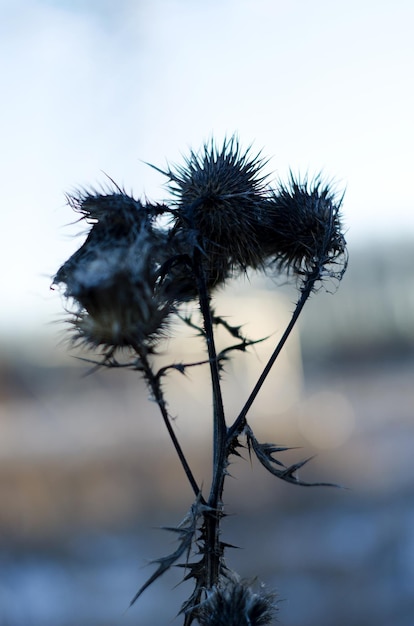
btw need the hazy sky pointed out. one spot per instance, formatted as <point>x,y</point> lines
<point>98,85</point>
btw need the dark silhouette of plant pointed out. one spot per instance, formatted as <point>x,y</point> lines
<point>133,275</point>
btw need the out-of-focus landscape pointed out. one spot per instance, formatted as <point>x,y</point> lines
<point>88,475</point>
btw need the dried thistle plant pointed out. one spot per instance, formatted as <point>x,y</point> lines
<point>130,279</point>
<point>304,230</point>
<point>219,203</point>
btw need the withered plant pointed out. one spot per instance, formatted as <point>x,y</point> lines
<point>140,267</point>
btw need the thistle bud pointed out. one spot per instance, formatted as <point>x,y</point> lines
<point>114,277</point>
<point>303,229</point>
<point>220,196</point>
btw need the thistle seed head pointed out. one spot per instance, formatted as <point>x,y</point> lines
<point>120,301</point>
<point>303,231</point>
<point>220,194</point>
<point>116,219</point>
<point>236,604</point>
<point>114,277</point>
<point>114,208</point>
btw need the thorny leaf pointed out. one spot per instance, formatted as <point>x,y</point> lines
<point>268,450</point>
<point>199,572</point>
<point>188,319</point>
<point>242,347</point>
<point>233,446</point>
<point>223,354</point>
<point>264,451</point>
<point>186,531</point>
<point>109,361</point>
<point>233,330</point>
<point>165,563</point>
<point>179,367</point>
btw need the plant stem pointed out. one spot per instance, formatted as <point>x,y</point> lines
<point>213,549</point>
<point>238,425</point>
<point>155,386</point>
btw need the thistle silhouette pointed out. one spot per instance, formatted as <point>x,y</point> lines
<point>133,275</point>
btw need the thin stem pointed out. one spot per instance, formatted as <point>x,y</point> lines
<point>219,427</point>
<point>154,384</point>
<point>238,425</point>
<point>213,548</point>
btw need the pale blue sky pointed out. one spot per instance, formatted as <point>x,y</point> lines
<point>92,86</point>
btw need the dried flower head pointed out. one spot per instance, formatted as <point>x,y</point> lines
<point>114,278</point>
<point>236,604</point>
<point>219,194</point>
<point>116,219</point>
<point>114,207</point>
<point>121,301</point>
<point>303,231</point>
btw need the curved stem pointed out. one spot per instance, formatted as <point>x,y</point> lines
<point>154,384</point>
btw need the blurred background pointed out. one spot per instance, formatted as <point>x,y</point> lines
<point>87,473</point>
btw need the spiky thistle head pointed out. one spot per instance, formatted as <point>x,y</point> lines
<point>115,218</point>
<point>303,232</point>
<point>219,193</point>
<point>113,206</point>
<point>114,278</point>
<point>235,603</point>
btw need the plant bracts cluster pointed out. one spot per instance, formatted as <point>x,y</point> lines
<point>131,273</point>
<point>134,274</point>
